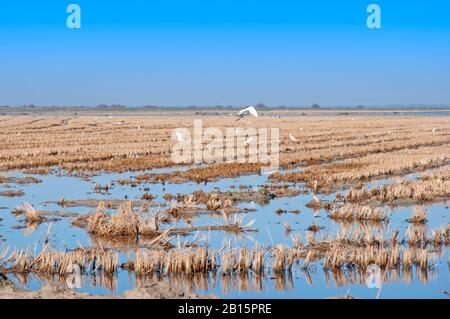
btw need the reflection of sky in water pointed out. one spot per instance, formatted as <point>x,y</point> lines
<point>270,231</point>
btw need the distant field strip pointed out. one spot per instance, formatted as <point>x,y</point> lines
<point>332,148</point>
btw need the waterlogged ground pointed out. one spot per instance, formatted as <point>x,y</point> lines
<point>311,283</point>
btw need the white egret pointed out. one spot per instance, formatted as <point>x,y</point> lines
<point>249,140</point>
<point>247,111</point>
<point>179,136</point>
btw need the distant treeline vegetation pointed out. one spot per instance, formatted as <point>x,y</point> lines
<point>259,106</point>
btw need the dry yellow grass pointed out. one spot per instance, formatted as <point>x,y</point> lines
<point>54,262</point>
<point>419,215</point>
<point>431,187</point>
<point>356,250</point>
<point>125,223</point>
<point>352,212</point>
<point>124,143</point>
<point>371,166</point>
<point>334,152</point>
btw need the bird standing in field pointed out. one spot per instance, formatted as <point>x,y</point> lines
<point>179,136</point>
<point>316,200</point>
<point>247,111</point>
<point>249,140</point>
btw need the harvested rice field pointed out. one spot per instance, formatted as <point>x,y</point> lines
<point>93,205</point>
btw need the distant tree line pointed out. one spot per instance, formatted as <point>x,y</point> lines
<point>259,106</point>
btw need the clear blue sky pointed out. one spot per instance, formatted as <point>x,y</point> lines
<point>207,52</point>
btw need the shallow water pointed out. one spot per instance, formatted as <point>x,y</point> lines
<point>298,284</point>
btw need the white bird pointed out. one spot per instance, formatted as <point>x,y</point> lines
<point>301,129</point>
<point>82,135</point>
<point>292,138</point>
<point>249,140</point>
<point>139,127</point>
<point>316,199</point>
<point>434,130</point>
<point>247,111</point>
<point>179,136</point>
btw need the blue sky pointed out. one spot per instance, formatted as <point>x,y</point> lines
<point>173,52</point>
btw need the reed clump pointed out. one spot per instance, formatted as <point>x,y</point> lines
<point>52,262</point>
<point>283,258</point>
<point>192,260</point>
<point>363,236</point>
<point>440,236</point>
<point>214,203</point>
<point>416,235</point>
<point>242,260</point>
<point>224,200</point>
<point>11,193</point>
<point>125,223</point>
<point>419,215</point>
<point>314,228</point>
<point>147,196</point>
<point>351,212</point>
<point>427,189</point>
<point>177,261</point>
<point>32,216</point>
<point>314,203</point>
<point>340,256</point>
<point>287,228</point>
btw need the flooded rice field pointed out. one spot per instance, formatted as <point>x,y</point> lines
<point>95,206</point>
<point>275,222</point>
